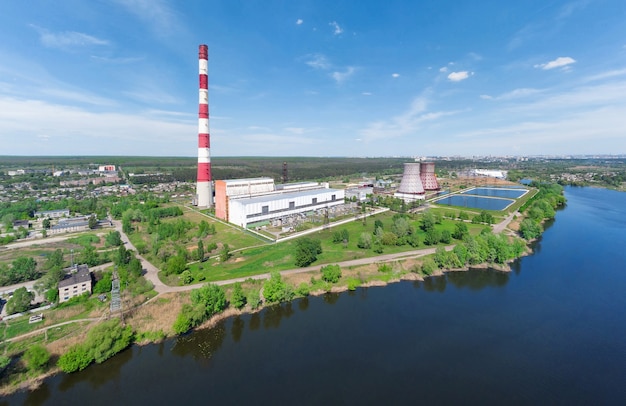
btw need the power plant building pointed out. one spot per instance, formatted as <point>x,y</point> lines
<point>417,178</point>
<point>249,201</point>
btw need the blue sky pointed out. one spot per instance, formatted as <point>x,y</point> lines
<point>314,77</point>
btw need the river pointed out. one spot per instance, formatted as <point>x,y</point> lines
<point>552,331</point>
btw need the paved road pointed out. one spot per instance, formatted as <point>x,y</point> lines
<point>152,273</point>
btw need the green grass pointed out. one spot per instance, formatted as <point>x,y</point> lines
<point>19,326</point>
<point>280,256</point>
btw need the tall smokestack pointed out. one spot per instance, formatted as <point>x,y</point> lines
<point>204,189</point>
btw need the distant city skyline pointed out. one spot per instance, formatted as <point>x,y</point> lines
<point>314,78</point>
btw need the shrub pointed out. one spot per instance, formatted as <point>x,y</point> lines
<point>276,290</point>
<point>238,299</point>
<point>428,266</point>
<point>353,283</point>
<point>331,273</point>
<point>186,277</point>
<point>75,359</point>
<point>303,289</point>
<point>254,299</point>
<point>384,268</point>
<point>182,324</point>
<point>36,357</point>
<point>365,241</point>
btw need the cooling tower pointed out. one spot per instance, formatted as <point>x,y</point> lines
<point>427,174</point>
<point>204,189</point>
<point>411,187</point>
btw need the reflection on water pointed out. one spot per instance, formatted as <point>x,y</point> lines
<point>237,328</point>
<point>200,344</point>
<point>97,375</point>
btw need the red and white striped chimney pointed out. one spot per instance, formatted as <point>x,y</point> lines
<point>204,189</point>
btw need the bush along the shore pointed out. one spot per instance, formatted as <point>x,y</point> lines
<point>205,302</point>
<point>103,341</point>
<point>540,208</point>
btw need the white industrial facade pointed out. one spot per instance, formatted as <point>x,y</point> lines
<point>245,210</point>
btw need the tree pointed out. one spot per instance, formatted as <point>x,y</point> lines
<point>54,260</point>
<point>75,359</point>
<point>36,357</point>
<point>446,237</point>
<point>89,256</point>
<point>127,226</point>
<point>530,229</point>
<point>460,231</point>
<point>26,266</point>
<point>175,265</point>
<point>400,227</point>
<point>122,257</point>
<point>93,222</point>
<point>238,298</point>
<point>428,221</point>
<point>365,241</point>
<point>433,236</point>
<point>378,224</point>
<point>210,299</point>
<point>200,251</point>
<point>46,223</point>
<point>20,301</point>
<point>113,239</point>
<point>331,273</point>
<point>307,250</point>
<point>225,253</point>
<point>186,277</point>
<point>276,290</point>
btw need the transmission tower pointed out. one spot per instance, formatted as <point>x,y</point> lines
<point>116,300</point>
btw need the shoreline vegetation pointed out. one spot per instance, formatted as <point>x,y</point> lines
<point>170,314</point>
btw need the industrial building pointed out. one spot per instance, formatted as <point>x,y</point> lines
<point>417,179</point>
<point>76,282</point>
<point>247,202</point>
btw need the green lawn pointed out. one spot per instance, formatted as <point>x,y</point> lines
<point>281,256</point>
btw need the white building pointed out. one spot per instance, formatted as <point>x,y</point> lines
<point>246,201</point>
<point>246,210</point>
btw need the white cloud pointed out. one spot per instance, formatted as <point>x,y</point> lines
<point>606,75</point>
<point>337,29</point>
<point>67,39</point>
<point>295,130</point>
<point>513,94</point>
<point>561,61</point>
<point>366,93</point>
<point>443,69</point>
<point>406,123</point>
<point>156,13</point>
<point>78,131</point>
<point>395,75</point>
<point>317,61</point>
<point>340,77</point>
<point>459,76</point>
<point>299,21</point>
<point>119,61</point>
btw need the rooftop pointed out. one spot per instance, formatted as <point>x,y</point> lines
<point>80,275</point>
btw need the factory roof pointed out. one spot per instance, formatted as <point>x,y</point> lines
<point>79,274</point>
<point>283,195</point>
<point>247,180</point>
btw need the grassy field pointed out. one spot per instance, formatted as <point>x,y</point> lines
<point>281,257</point>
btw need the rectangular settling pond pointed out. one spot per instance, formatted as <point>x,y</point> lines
<point>476,202</point>
<point>496,192</point>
